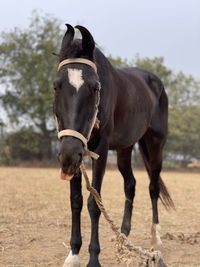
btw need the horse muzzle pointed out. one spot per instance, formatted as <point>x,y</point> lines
<point>70,157</point>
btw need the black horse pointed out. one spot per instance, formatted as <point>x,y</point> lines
<point>132,107</point>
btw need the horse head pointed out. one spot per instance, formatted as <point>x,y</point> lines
<point>76,98</point>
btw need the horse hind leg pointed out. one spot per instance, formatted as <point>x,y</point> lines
<point>151,146</point>
<point>124,166</point>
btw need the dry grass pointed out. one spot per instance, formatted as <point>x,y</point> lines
<point>35,218</point>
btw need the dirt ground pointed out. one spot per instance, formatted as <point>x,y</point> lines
<point>35,218</point>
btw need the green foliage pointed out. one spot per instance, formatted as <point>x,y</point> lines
<point>24,144</point>
<point>184,132</point>
<point>183,90</point>
<point>27,67</point>
<point>118,61</point>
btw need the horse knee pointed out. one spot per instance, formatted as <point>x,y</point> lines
<point>77,202</point>
<point>124,167</point>
<point>130,184</point>
<point>93,208</point>
<point>129,188</point>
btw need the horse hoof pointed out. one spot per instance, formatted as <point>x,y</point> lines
<point>161,263</point>
<point>72,260</point>
<point>94,264</point>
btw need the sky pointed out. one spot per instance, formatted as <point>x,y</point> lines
<point>148,28</point>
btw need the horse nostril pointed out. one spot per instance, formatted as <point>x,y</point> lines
<point>67,160</point>
<point>80,157</point>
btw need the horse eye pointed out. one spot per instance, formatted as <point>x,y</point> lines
<point>56,84</point>
<point>94,86</point>
<point>97,86</point>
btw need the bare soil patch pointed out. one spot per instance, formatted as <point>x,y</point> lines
<point>35,218</point>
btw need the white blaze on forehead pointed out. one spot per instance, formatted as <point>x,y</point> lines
<point>75,77</point>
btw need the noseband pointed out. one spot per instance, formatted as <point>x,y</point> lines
<point>73,133</point>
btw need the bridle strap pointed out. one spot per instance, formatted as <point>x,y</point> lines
<point>77,60</point>
<point>94,119</point>
<point>73,133</point>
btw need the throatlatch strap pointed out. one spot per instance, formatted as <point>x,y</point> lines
<point>78,60</point>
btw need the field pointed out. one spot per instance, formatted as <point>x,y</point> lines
<point>35,218</point>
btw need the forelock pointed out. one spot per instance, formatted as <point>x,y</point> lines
<point>73,51</point>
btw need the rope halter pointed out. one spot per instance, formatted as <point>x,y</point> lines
<point>71,132</point>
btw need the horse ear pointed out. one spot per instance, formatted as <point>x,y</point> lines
<point>67,39</point>
<point>88,43</point>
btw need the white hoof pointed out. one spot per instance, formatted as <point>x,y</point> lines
<point>156,241</point>
<point>72,260</point>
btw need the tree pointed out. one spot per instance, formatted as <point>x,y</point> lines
<point>20,147</point>
<point>118,61</point>
<point>26,72</point>
<point>183,90</point>
<point>184,132</point>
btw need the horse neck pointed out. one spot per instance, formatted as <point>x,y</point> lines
<point>106,74</point>
<point>101,60</point>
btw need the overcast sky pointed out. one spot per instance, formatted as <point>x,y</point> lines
<point>168,28</point>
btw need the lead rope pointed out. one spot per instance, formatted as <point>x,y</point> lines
<point>125,250</point>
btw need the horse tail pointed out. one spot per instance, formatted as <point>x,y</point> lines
<point>165,196</point>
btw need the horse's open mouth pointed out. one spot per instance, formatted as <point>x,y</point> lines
<point>65,176</point>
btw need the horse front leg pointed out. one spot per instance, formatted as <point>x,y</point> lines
<point>76,198</point>
<point>98,173</point>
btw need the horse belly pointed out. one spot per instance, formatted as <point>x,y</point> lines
<point>128,131</point>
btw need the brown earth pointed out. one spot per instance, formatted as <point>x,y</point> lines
<point>35,218</point>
